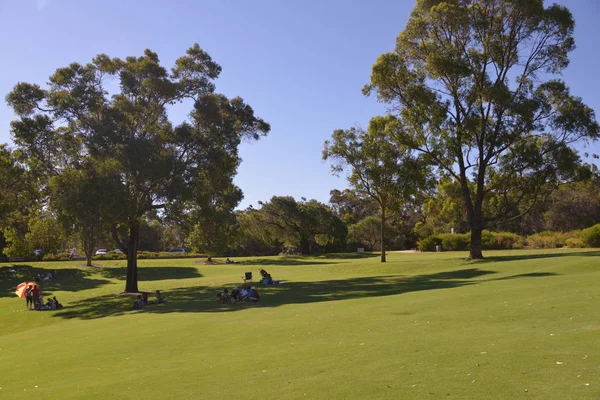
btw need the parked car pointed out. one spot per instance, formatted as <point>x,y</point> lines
<point>118,251</point>
<point>178,250</point>
<point>101,252</point>
<point>38,252</point>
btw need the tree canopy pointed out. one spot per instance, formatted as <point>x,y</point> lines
<point>472,85</point>
<point>380,169</point>
<point>77,119</point>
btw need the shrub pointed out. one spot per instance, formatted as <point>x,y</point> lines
<point>591,236</point>
<point>429,243</point>
<point>56,257</point>
<point>574,243</point>
<point>110,256</point>
<point>547,240</point>
<point>454,241</point>
<point>501,240</point>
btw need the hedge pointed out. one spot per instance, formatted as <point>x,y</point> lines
<point>461,241</point>
<point>591,236</point>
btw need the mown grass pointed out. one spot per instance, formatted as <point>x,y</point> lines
<point>518,325</point>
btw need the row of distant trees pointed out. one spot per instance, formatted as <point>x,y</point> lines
<point>284,225</point>
<point>480,134</point>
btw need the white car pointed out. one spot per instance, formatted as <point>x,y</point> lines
<point>101,252</point>
<point>118,251</point>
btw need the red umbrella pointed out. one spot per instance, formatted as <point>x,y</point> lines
<point>22,288</point>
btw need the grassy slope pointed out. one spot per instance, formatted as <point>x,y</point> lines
<point>421,326</point>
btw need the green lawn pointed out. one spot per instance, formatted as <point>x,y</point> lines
<point>519,325</point>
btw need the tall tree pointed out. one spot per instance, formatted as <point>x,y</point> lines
<point>158,165</point>
<point>380,169</point>
<point>86,201</point>
<point>471,86</point>
<point>350,206</point>
<point>19,199</point>
<point>368,231</point>
<point>306,224</point>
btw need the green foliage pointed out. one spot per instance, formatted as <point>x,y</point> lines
<point>547,240</point>
<point>454,242</point>
<point>459,242</point>
<point>45,233</point>
<point>574,243</point>
<point>367,233</point>
<point>444,209</point>
<point>501,240</point>
<point>56,257</point>
<point>591,236</point>
<point>76,119</point>
<point>390,174</point>
<point>307,225</point>
<point>352,207</point>
<point>430,243</point>
<point>574,206</point>
<point>472,87</point>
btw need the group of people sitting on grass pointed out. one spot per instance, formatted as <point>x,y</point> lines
<point>50,276</point>
<point>35,300</point>
<point>142,300</point>
<point>51,304</point>
<point>236,296</point>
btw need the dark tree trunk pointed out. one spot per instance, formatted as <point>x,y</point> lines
<point>131,284</point>
<point>476,223</point>
<point>304,246</point>
<point>475,251</point>
<point>88,248</point>
<point>382,236</point>
<point>474,208</point>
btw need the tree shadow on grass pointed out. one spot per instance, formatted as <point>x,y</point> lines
<point>202,299</point>
<point>152,273</point>
<point>529,275</point>
<point>67,279</point>
<point>536,256</point>
<point>349,256</point>
<point>295,261</point>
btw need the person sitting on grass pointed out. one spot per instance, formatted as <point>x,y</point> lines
<point>266,277</point>
<point>138,303</point>
<point>228,261</point>
<point>225,296</point>
<point>57,305</point>
<point>235,295</point>
<point>159,299</point>
<point>254,296</point>
<point>245,292</point>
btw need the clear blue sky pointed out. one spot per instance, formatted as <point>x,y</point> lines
<point>300,64</point>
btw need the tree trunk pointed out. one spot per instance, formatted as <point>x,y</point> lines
<point>475,251</point>
<point>382,236</point>
<point>476,222</point>
<point>88,248</point>
<point>304,246</point>
<point>131,284</point>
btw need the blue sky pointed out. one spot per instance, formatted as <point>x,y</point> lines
<point>300,64</point>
